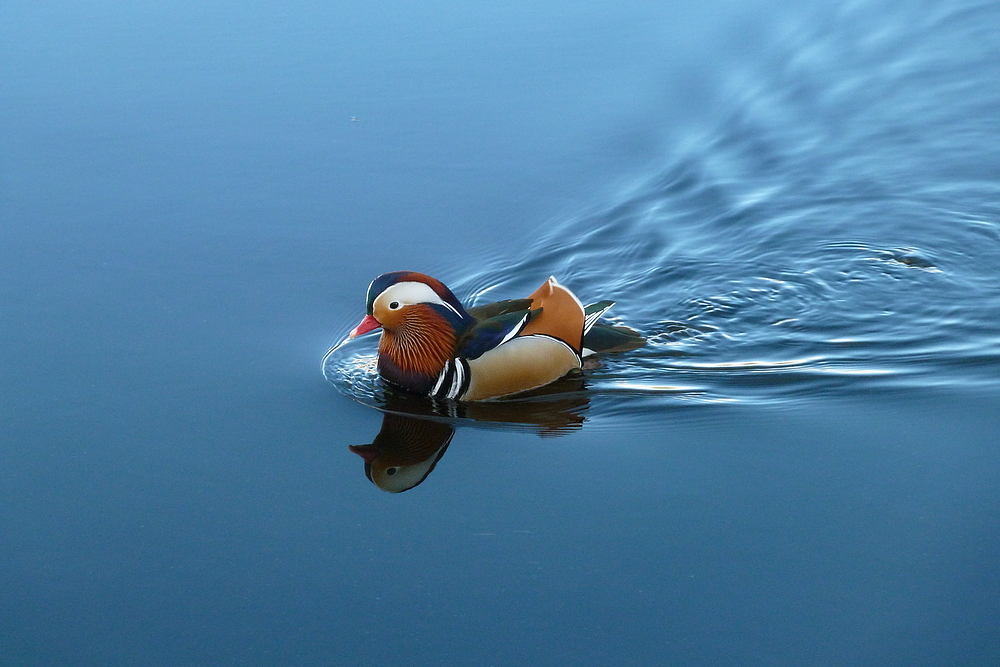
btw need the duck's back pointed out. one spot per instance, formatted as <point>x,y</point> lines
<point>547,348</point>
<point>562,315</point>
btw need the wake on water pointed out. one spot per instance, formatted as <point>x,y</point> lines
<point>835,229</point>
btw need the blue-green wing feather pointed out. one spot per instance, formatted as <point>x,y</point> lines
<point>489,310</point>
<point>492,331</point>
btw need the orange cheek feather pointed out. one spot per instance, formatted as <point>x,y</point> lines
<point>416,339</point>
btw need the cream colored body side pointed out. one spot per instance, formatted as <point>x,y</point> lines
<point>520,364</point>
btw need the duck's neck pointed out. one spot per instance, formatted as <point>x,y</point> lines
<point>413,354</point>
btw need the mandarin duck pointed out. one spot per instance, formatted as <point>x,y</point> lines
<point>434,346</point>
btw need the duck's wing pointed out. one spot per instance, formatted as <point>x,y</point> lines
<point>493,331</point>
<point>489,310</point>
<point>608,338</point>
<point>593,312</point>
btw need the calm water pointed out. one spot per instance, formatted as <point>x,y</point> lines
<point>799,209</point>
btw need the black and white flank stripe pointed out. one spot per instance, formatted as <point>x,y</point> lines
<point>453,381</point>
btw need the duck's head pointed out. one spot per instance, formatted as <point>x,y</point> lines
<point>421,321</point>
<point>393,296</point>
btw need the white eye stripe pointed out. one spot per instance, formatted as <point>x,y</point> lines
<point>409,293</point>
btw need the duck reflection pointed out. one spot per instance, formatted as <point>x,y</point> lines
<point>404,452</point>
<point>416,432</point>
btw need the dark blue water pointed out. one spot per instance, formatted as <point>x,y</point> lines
<point>797,207</point>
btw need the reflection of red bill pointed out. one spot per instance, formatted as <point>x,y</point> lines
<point>367,324</point>
<point>367,452</point>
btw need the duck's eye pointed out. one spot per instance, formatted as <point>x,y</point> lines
<point>391,471</point>
<point>394,305</point>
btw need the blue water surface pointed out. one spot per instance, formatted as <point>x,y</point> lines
<point>796,206</point>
